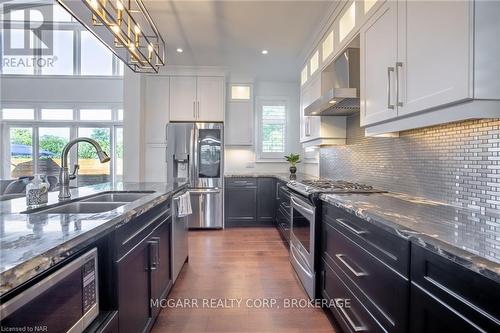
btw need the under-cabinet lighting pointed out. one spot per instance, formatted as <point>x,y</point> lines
<point>179,50</point>
<point>265,52</point>
<point>332,101</point>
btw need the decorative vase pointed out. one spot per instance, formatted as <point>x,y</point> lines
<point>293,169</point>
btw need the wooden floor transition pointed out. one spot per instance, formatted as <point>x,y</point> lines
<point>250,264</point>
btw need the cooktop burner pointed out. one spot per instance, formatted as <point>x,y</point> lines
<point>308,187</point>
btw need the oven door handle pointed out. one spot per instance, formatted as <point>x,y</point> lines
<point>292,251</point>
<point>302,207</point>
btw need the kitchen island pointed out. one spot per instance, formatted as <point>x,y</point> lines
<point>31,243</point>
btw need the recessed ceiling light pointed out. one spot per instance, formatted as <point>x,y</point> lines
<point>264,52</point>
<point>179,50</point>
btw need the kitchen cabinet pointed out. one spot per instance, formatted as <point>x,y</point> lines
<point>196,98</point>
<point>425,63</point>
<point>249,201</point>
<point>445,295</point>
<point>239,127</point>
<point>266,192</point>
<point>369,264</point>
<point>142,268</point>
<point>156,114</point>
<point>240,202</point>
<point>378,59</point>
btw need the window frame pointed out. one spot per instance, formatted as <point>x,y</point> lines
<point>270,100</point>
<point>77,29</point>
<point>73,125</point>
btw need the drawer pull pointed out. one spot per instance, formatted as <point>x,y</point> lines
<point>356,328</point>
<point>353,271</point>
<point>356,231</point>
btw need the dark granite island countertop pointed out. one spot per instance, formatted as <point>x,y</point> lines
<point>32,243</point>
<point>468,237</point>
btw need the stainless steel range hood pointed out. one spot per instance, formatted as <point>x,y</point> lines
<point>340,87</point>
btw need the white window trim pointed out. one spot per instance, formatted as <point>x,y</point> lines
<point>260,101</point>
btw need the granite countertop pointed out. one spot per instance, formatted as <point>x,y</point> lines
<point>470,238</point>
<point>283,176</point>
<point>32,243</point>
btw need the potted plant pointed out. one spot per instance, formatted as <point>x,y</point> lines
<point>293,159</point>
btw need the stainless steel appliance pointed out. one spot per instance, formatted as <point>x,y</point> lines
<point>196,151</point>
<point>65,301</point>
<point>305,208</point>
<point>179,237</point>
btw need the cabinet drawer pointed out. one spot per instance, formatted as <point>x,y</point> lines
<point>241,182</point>
<point>128,235</point>
<point>389,248</point>
<point>383,291</point>
<point>354,317</point>
<point>473,296</point>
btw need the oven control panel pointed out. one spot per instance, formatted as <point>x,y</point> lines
<point>89,297</point>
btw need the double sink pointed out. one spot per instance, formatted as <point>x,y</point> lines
<point>97,203</point>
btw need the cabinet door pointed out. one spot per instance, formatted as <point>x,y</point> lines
<point>133,289</point>
<point>315,122</point>
<point>239,124</point>
<point>240,206</point>
<point>378,61</point>
<point>266,197</point>
<point>210,99</point>
<point>183,98</point>
<point>304,121</point>
<point>156,113</point>
<point>161,277</point>
<point>434,52</point>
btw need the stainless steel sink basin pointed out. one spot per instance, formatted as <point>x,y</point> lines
<point>80,207</point>
<point>97,203</point>
<point>116,197</point>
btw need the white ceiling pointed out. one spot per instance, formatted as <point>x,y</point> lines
<point>232,34</point>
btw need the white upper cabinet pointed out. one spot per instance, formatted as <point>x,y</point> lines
<point>347,21</point>
<point>183,98</point>
<point>196,98</point>
<point>378,60</point>
<point>156,108</point>
<point>434,54</point>
<point>210,99</point>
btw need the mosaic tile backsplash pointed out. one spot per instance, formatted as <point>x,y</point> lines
<point>457,163</point>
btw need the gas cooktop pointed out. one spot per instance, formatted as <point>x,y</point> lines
<point>311,187</point>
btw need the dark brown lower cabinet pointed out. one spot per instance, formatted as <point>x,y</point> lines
<point>144,279</point>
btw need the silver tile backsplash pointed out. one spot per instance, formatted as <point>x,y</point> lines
<point>458,163</point>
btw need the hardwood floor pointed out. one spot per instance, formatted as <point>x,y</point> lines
<point>247,264</point>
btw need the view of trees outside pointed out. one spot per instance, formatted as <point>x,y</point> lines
<point>51,143</point>
<point>273,128</point>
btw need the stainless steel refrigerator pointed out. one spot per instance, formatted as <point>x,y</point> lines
<point>196,151</point>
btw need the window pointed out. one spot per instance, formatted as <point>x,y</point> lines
<point>327,47</point>
<point>62,63</point>
<point>240,92</point>
<point>347,22</point>
<point>47,130</point>
<point>91,114</point>
<point>272,129</point>
<point>96,58</point>
<point>57,114</point>
<point>21,152</point>
<point>92,171</point>
<point>75,50</point>
<point>18,114</point>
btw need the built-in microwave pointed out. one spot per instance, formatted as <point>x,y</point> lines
<point>65,301</point>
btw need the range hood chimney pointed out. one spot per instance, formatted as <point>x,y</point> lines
<point>339,86</point>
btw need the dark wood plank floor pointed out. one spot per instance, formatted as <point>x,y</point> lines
<point>239,263</point>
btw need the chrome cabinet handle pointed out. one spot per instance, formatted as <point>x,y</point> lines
<point>389,70</point>
<point>356,328</point>
<point>194,109</point>
<point>277,190</point>
<point>398,66</point>
<point>153,261</point>
<point>198,110</point>
<point>356,231</point>
<point>346,264</point>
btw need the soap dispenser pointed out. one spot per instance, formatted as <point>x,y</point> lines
<point>37,191</point>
